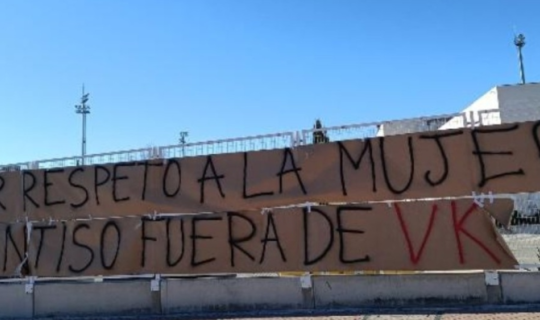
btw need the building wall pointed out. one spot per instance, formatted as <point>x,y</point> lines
<point>501,104</point>
<point>519,102</point>
<point>476,113</point>
<point>401,127</point>
<point>422,124</point>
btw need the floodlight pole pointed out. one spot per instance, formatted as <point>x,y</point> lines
<point>519,42</point>
<point>83,109</point>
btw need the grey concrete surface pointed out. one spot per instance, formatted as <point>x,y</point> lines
<point>520,287</point>
<point>14,302</point>
<point>118,297</point>
<point>391,290</point>
<point>212,295</point>
<point>372,295</point>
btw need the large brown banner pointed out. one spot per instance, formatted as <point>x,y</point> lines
<point>10,197</point>
<point>501,159</point>
<point>441,235</point>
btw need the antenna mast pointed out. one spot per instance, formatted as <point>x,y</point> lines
<point>83,109</point>
<point>519,42</point>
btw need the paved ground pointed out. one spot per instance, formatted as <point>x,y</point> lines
<point>483,316</point>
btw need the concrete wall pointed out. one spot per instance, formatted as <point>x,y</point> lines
<point>234,295</point>
<point>407,126</point>
<point>391,128</point>
<point>79,298</point>
<point>402,290</point>
<point>14,302</point>
<point>521,287</point>
<point>519,102</point>
<point>266,295</point>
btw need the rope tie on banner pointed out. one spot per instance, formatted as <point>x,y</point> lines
<point>308,207</point>
<point>479,199</point>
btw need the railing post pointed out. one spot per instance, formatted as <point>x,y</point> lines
<point>295,139</point>
<point>472,119</point>
<point>464,118</point>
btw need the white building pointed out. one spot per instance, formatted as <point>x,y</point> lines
<point>501,104</point>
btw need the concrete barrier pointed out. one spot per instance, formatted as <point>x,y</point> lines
<point>79,298</point>
<point>276,296</point>
<point>519,287</point>
<point>399,290</point>
<point>210,295</point>
<point>14,302</point>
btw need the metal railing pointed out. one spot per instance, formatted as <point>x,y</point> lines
<point>252,143</point>
<point>271,141</point>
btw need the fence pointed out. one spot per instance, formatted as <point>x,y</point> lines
<point>271,141</point>
<point>523,236</point>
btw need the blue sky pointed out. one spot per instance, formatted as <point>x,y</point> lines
<point>228,68</point>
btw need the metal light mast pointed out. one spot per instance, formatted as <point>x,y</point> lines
<point>519,42</point>
<point>83,109</point>
<point>182,140</point>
